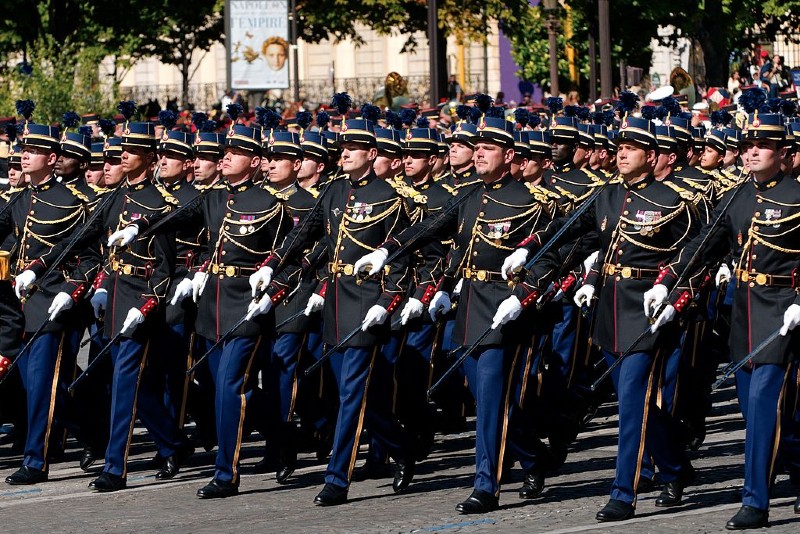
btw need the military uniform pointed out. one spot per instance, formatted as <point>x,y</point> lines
<point>640,226</point>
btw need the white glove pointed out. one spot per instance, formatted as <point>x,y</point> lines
<point>23,281</point>
<point>376,259</point>
<point>723,274</point>
<point>123,237</point>
<point>791,318</point>
<point>259,307</point>
<point>98,301</point>
<point>375,315</point>
<point>513,262</point>
<point>654,298</point>
<point>184,289</point>
<point>62,301</point>
<point>508,310</point>
<point>315,303</point>
<point>134,319</point>
<point>198,284</point>
<point>666,316</point>
<point>260,278</point>
<point>583,296</point>
<point>588,262</point>
<point>440,304</point>
<point>457,289</point>
<point>411,310</point>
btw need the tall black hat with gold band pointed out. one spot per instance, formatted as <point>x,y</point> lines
<point>136,134</point>
<point>733,138</point>
<point>586,136</point>
<point>716,139</point>
<point>667,138</point>
<point>699,137</point>
<point>421,140</point>
<point>241,136</point>
<point>36,135</point>
<point>112,148</point>
<point>521,146</point>
<point>443,149</point>
<point>600,134</point>
<point>313,144</point>
<point>97,154</point>
<point>353,130</point>
<point>612,138</point>
<point>388,140</point>
<point>207,141</point>
<point>76,144</point>
<point>493,125</point>
<point>539,142</point>
<point>274,139</point>
<point>464,129</point>
<point>637,130</point>
<point>795,128</point>
<point>174,141</point>
<point>765,126</point>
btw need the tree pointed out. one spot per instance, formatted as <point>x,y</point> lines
<point>184,29</point>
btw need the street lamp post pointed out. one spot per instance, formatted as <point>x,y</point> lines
<point>550,8</point>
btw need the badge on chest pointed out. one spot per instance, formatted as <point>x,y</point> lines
<point>646,219</point>
<point>498,230</point>
<point>245,228</point>
<point>361,210</point>
<point>772,214</point>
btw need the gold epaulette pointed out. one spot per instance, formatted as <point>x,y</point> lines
<point>406,191</point>
<point>314,192</point>
<point>277,194</point>
<point>685,194</point>
<point>80,196</point>
<point>168,198</point>
<point>449,188</point>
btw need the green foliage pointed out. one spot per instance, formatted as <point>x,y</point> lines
<point>64,78</point>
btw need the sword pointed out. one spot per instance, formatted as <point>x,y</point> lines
<point>731,370</point>
<point>105,350</point>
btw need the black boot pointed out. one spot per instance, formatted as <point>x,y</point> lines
<point>748,517</point>
<point>108,482</point>
<point>533,486</point>
<point>331,495</point>
<point>615,510</point>
<point>26,475</point>
<point>403,475</point>
<point>217,489</point>
<point>479,502</point>
<point>173,463</point>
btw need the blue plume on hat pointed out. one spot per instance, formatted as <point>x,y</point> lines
<point>752,99</point>
<point>484,102</point>
<point>534,120</point>
<point>583,114</point>
<point>462,111</point>
<point>323,118</point>
<point>342,102</point>
<point>669,106</point>
<point>235,110</point>
<point>475,115</point>
<point>649,112</point>
<point>496,112</point>
<point>407,117</point>
<point>25,108</point>
<point>209,126</point>
<point>554,104</point>
<point>393,120</point>
<point>199,119</point>
<point>70,119</point>
<point>598,117</point>
<point>304,119</point>
<point>627,102</point>
<point>720,118</point>
<point>522,116</point>
<point>167,118</point>
<point>774,105</point>
<point>269,119</point>
<point>608,117</point>
<point>423,122</point>
<point>570,111</point>
<point>370,113</point>
<point>127,108</point>
<point>85,130</point>
<point>11,132</point>
<point>107,126</point>
<point>789,108</point>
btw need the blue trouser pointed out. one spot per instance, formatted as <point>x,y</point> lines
<point>760,391</point>
<point>415,374</point>
<point>231,366</point>
<point>42,369</point>
<point>564,337</point>
<point>281,371</point>
<point>488,374</point>
<point>131,396</point>
<point>641,423</point>
<point>312,404</point>
<point>353,368</point>
<point>790,435</point>
<point>522,440</point>
<point>173,356</point>
<point>383,380</point>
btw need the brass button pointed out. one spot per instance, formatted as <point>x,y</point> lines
<point>31,213</point>
<point>629,200</point>
<point>224,252</point>
<point>352,197</point>
<point>227,227</point>
<point>481,214</point>
<point>485,201</point>
<point>227,215</point>
<point>623,225</point>
<point>475,253</point>
<point>33,201</point>
<point>757,214</point>
<point>625,212</point>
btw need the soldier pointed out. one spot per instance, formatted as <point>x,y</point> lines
<point>356,214</point>
<point>647,236</point>
<point>244,222</point>
<point>462,168</point>
<point>540,158</point>
<point>209,149</point>
<point>714,151</point>
<point>136,279</point>
<point>94,172</point>
<point>75,152</point>
<point>498,213</point>
<point>46,214</point>
<point>756,229</point>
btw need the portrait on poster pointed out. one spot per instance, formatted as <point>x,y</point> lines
<point>259,44</point>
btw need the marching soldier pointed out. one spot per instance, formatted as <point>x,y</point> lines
<point>499,212</point>
<point>47,213</point>
<point>136,279</point>
<point>356,214</point>
<point>647,236</point>
<point>757,228</point>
